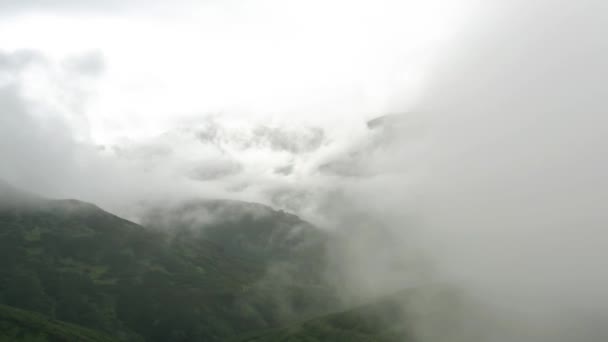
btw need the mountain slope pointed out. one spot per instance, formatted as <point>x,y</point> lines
<point>382,321</point>
<point>18,325</point>
<point>292,285</point>
<point>75,262</point>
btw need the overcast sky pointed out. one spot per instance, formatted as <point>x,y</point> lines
<point>247,99</point>
<point>499,159</point>
<point>165,62</point>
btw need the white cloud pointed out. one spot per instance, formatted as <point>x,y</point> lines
<point>508,170</point>
<point>322,61</point>
<point>296,81</point>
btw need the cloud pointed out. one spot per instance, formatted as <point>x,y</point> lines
<point>492,183</point>
<point>12,62</point>
<point>496,173</point>
<point>77,6</point>
<point>31,140</point>
<point>284,170</point>
<point>16,7</point>
<point>91,63</point>
<point>216,169</point>
<point>507,200</point>
<point>516,173</point>
<point>46,147</point>
<point>305,140</point>
<point>42,145</point>
<point>168,62</point>
<point>253,135</point>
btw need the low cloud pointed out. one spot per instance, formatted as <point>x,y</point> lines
<point>505,199</point>
<point>216,169</point>
<point>46,147</point>
<point>493,181</point>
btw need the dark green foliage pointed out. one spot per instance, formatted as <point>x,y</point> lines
<point>74,262</point>
<point>24,326</point>
<point>379,322</point>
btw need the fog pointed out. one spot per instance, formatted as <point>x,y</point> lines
<point>511,179</point>
<point>491,182</point>
<point>516,166</point>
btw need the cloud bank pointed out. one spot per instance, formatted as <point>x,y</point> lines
<point>492,182</point>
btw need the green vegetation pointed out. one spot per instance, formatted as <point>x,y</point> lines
<point>74,262</point>
<point>382,321</point>
<point>24,326</point>
<point>204,271</point>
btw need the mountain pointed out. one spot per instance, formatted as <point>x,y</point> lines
<point>249,231</point>
<point>381,321</point>
<point>11,196</point>
<point>74,262</point>
<point>18,325</point>
<point>201,270</point>
<point>431,313</point>
<point>291,251</point>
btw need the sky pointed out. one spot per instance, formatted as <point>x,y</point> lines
<point>254,100</point>
<point>268,58</point>
<point>491,165</point>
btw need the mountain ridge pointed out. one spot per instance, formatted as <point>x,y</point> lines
<point>75,262</point>
<point>202,270</point>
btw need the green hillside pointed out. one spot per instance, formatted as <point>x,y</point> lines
<point>18,325</point>
<point>74,262</point>
<point>430,313</point>
<point>204,270</point>
<point>382,321</point>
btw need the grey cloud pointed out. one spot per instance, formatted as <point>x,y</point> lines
<point>67,83</point>
<point>351,165</point>
<point>388,121</point>
<point>210,133</point>
<point>215,169</point>
<point>11,62</point>
<point>91,63</point>
<point>510,206</point>
<point>284,170</point>
<point>144,152</point>
<point>38,148</point>
<point>93,7</point>
<point>198,213</point>
<point>374,154</point>
<point>291,199</point>
<point>279,139</point>
<point>506,199</point>
<point>8,6</point>
<point>63,6</point>
<point>514,185</point>
<point>28,145</point>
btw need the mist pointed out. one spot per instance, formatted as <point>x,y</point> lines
<point>490,182</point>
<point>516,167</point>
<point>509,190</point>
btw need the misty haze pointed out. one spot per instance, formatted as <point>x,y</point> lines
<point>304,171</point>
